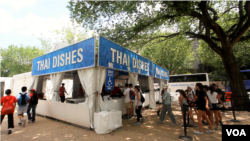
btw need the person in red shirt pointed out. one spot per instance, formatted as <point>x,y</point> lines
<point>116,90</point>
<point>81,91</point>
<point>61,93</point>
<point>9,104</point>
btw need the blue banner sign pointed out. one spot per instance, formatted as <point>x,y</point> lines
<point>112,55</point>
<point>109,85</point>
<point>76,56</point>
<point>160,72</point>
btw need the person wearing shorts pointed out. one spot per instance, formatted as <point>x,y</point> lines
<point>128,101</point>
<point>202,104</point>
<point>22,108</point>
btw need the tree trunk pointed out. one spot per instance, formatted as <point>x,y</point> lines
<point>237,84</point>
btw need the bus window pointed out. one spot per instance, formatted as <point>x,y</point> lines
<point>188,78</point>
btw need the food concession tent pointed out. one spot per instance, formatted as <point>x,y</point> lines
<point>89,63</point>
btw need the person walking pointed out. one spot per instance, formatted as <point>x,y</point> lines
<point>183,101</point>
<point>202,104</point>
<point>9,105</point>
<point>167,107</point>
<point>62,91</point>
<point>32,106</point>
<point>160,107</point>
<point>132,97</point>
<point>22,99</point>
<point>128,102</point>
<point>138,106</point>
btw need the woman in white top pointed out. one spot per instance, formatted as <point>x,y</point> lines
<point>191,95</point>
<point>213,97</point>
<point>138,105</point>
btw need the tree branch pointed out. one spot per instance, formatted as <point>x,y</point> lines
<point>240,9</point>
<point>209,41</point>
<point>240,31</point>
<point>244,38</point>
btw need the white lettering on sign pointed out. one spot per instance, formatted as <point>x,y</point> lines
<point>80,55</point>
<point>124,59</point>
<point>54,61</point>
<point>158,72</point>
<point>73,57</point>
<point>119,57</point>
<point>61,60</point>
<point>164,74</point>
<point>67,58</point>
<point>236,132</point>
<point>113,54</point>
<point>134,62</point>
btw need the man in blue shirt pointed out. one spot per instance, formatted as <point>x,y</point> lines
<point>167,107</point>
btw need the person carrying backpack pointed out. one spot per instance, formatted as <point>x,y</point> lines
<point>32,106</point>
<point>9,105</point>
<point>138,105</point>
<point>22,100</point>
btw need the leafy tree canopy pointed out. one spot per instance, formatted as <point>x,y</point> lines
<point>176,54</point>
<point>18,59</point>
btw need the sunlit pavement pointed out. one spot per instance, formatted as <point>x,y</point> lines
<point>46,129</point>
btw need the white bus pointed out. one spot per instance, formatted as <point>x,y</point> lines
<point>182,81</point>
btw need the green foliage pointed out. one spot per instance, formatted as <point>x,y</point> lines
<point>176,54</point>
<point>208,57</point>
<point>4,71</point>
<point>18,59</point>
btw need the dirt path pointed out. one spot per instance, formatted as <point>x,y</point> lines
<point>47,130</point>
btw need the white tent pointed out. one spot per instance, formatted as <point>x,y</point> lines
<point>89,63</point>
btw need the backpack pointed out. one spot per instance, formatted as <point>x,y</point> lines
<point>132,94</point>
<point>142,98</point>
<point>34,99</point>
<point>23,100</point>
<point>8,108</point>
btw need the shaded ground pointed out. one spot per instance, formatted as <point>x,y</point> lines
<point>47,129</point>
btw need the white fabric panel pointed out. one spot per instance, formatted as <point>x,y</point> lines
<point>161,84</point>
<point>114,104</point>
<point>152,103</point>
<point>72,113</point>
<point>8,84</point>
<point>48,90</point>
<point>101,76</point>
<point>146,96</point>
<point>18,84</point>
<point>34,82</point>
<point>133,78</point>
<point>56,80</point>
<point>157,96</point>
<point>87,78</point>
<point>107,121</point>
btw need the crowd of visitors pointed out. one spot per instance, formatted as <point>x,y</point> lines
<point>206,101</point>
<point>25,101</point>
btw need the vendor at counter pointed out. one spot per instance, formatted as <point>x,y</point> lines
<point>117,92</point>
<point>61,93</point>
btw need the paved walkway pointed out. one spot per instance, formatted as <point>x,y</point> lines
<point>46,129</point>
